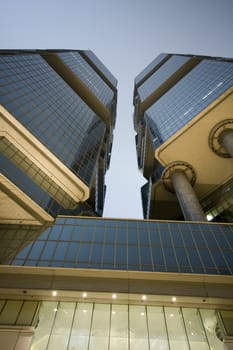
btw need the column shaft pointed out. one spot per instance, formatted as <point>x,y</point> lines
<point>226,140</point>
<point>187,198</point>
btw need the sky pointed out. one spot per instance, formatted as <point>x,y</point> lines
<point>126,35</point>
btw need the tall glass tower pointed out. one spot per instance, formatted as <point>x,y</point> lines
<point>184,123</point>
<point>58,112</point>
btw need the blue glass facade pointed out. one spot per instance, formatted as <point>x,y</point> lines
<point>30,187</point>
<point>189,96</point>
<point>51,111</point>
<point>42,197</point>
<point>102,68</point>
<point>124,245</point>
<point>88,75</point>
<point>161,75</point>
<point>47,105</point>
<point>158,60</point>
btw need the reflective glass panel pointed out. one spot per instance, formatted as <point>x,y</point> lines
<point>176,330</point>
<point>188,97</point>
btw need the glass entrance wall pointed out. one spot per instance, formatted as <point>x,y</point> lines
<point>89,326</point>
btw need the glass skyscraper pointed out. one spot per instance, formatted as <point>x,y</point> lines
<point>58,112</point>
<point>70,280</point>
<point>183,120</point>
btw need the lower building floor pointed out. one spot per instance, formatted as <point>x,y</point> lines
<point>112,325</point>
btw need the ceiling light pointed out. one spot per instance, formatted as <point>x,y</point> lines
<point>84,294</point>
<point>144,297</point>
<point>114,296</point>
<point>173,299</point>
<point>142,313</point>
<point>209,217</point>
<point>54,293</point>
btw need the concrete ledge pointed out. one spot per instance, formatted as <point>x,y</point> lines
<point>71,280</point>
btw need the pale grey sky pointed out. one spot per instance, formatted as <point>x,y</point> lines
<point>126,35</point>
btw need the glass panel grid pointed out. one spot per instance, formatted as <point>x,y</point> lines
<point>88,75</point>
<point>18,312</point>
<point>38,97</point>
<point>188,97</point>
<point>101,66</point>
<point>161,75</point>
<point>149,68</point>
<point>122,244</point>
<point>85,326</point>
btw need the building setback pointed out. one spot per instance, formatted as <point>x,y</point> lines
<point>70,281</point>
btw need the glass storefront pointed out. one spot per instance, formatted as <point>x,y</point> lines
<point>93,326</point>
<point>70,325</point>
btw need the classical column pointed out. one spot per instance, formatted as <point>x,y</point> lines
<point>187,198</point>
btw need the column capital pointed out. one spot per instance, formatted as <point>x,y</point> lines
<point>215,137</point>
<point>185,167</point>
